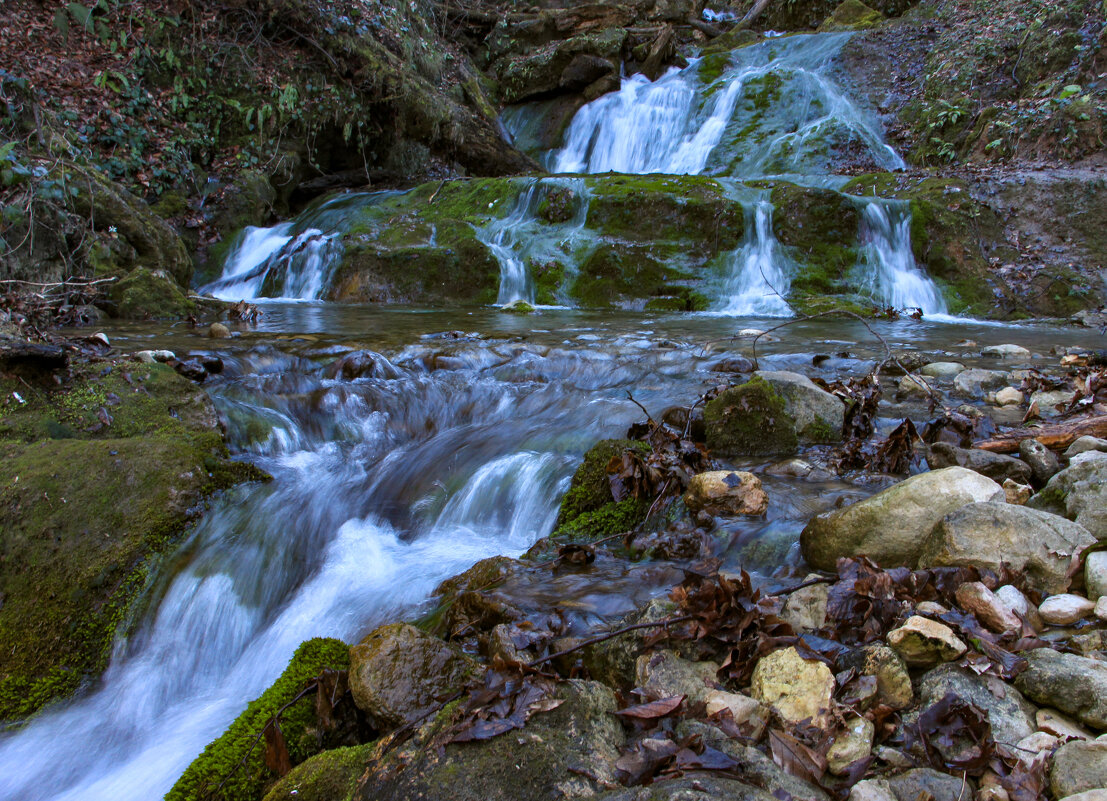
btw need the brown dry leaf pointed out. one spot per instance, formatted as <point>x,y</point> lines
<point>654,709</point>
<point>276,749</point>
<point>793,757</point>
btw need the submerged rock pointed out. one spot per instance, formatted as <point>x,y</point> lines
<point>893,526</point>
<point>989,534</point>
<point>995,466</point>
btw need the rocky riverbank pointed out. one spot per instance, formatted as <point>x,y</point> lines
<point>947,639</point>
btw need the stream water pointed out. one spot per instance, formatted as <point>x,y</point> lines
<point>459,433</point>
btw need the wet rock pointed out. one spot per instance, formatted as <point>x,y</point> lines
<point>614,661</point>
<point>1061,726</point>
<point>1085,444</point>
<point>397,672</point>
<point>989,609</point>
<point>1011,715</point>
<point>733,364</point>
<point>360,364</point>
<point>1065,609</point>
<point>995,466</point>
<point>151,356</point>
<point>928,783</point>
<point>986,535</point>
<point>524,765</point>
<point>1017,494</point>
<point>32,360</point>
<point>805,609</point>
<point>1079,492</point>
<point>750,420</point>
<point>818,414</point>
<point>854,743</point>
<point>677,417</point>
<point>797,689</point>
<point>973,383</point>
<point>1073,684</point>
<point>922,642</point>
<point>1008,396</point>
<point>1005,352</point>
<point>798,468</point>
<point>726,492</point>
<point>190,369</point>
<point>1051,403</point>
<point>893,682</point>
<point>911,387</point>
<point>663,674</point>
<point>943,371</point>
<point>327,776</point>
<point>851,15</point>
<point>1078,767</point>
<point>219,331</point>
<point>872,790</point>
<point>892,527</point>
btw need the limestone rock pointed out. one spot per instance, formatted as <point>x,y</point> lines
<point>924,643</point>
<point>985,535</point>
<point>818,414</point>
<point>995,466</point>
<point>742,707</point>
<point>397,672</point>
<point>796,688</point>
<point>872,790</point>
<point>726,492</point>
<point>944,371</point>
<point>805,610</point>
<point>1008,396</point>
<point>1078,767</point>
<point>893,682</point>
<point>1065,609</point>
<point>925,782</point>
<point>1073,684</point>
<point>1005,352</point>
<point>989,609</point>
<point>854,743</point>
<point>1060,726</point>
<point>1017,494</point>
<point>1011,715</point>
<point>973,383</point>
<point>663,674</point>
<point>1043,462</point>
<point>1085,444</point>
<point>892,526</point>
<point>219,331</point>
<point>1048,401</point>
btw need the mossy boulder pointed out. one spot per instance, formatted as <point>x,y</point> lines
<point>818,230</point>
<point>567,65</point>
<point>99,477</point>
<point>750,419</point>
<point>589,489</point>
<point>144,294</point>
<point>851,15</point>
<point>818,414</point>
<point>331,775</point>
<point>528,765</point>
<point>232,760</point>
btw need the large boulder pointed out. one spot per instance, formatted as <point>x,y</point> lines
<point>529,765</point>
<point>1078,767</point>
<point>750,420</point>
<point>995,466</point>
<point>818,414</point>
<point>1079,492</point>
<point>892,527</point>
<point>1074,684</point>
<point>988,534</point>
<point>397,672</point>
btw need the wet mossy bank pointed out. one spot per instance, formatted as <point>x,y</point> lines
<point>101,472</point>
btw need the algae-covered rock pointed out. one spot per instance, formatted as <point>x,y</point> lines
<point>397,672</point>
<point>851,15</point>
<point>232,760</point>
<point>98,478</point>
<point>893,527</point>
<point>528,765</point>
<point>144,293</point>
<point>567,65</point>
<point>331,775</point>
<point>1079,492</point>
<point>750,420</point>
<point>819,415</point>
<point>589,489</point>
<point>818,229</point>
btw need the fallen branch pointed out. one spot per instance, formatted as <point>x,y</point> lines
<point>1055,437</point>
<point>610,635</point>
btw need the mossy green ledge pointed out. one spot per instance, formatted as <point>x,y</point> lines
<point>99,477</point>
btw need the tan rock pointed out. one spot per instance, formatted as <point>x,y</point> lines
<point>1017,493</point>
<point>925,643</point>
<point>872,790</point>
<point>1008,396</point>
<point>805,610</point>
<point>976,598</point>
<point>1087,795</point>
<point>1060,725</point>
<point>663,674</point>
<point>1065,609</point>
<point>743,709</point>
<point>854,743</point>
<point>219,331</point>
<point>796,689</point>
<point>1100,610</point>
<point>931,609</point>
<point>726,492</point>
<point>1034,744</point>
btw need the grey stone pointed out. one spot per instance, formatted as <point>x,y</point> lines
<point>1095,574</point>
<point>973,383</point>
<point>943,371</point>
<point>1011,716</point>
<point>1085,444</point>
<point>995,466</point>
<point>1079,492</point>
<point>1005,352</point>
<point>1043,462</point>
<point>892,526</point>
<point>1048,401</point>
<point>1077,767</point>
<point>1073,684</point>
<point>818,414</point>
<point>986,535</point>
<point>912,784</point>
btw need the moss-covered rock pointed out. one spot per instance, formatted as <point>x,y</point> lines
<point>750,420</point>
<point>589,489</point>
<point>98,478</point>
<point>567,65</point>
<point>851,15</point>
<point>331,775</point>
<point>144,293</point>
<point>818,229</point>
<point>232,760</point>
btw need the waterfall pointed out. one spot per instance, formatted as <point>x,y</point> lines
<point>893,279</point>
<point>757,286</point>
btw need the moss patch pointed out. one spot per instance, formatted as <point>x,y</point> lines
<point>851,15</point>
<point>328,776</point>
<point>589,489</point>
<point>147,293</point>
<point>224,755</point>
<point>749,420</point>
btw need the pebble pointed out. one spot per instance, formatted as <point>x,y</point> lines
<point>1011,597</point>
<point>1017,493</point>
<point>1008,396</point>
<point>219,331</point>
<point>1065,609</point>
<point>989,610</point>
<point>931,608</point>
<point>1005,352</point>
<point>1060,726</point>
<point>1049,401</point>
<point>925,643</point>
<point>854,743</point>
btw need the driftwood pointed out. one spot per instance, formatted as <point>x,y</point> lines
<point>1055,437</point>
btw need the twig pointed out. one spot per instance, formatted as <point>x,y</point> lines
<point>609,635</point>
<point>631,398</point>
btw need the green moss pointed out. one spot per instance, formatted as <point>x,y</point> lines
<point>610,519</point>
<point>147,293</point>
<point>86,515</point>
<point>589,489</point>
<point>233,761</point>
<point>819,430</point>
<point>328,776</point>
<point>548,281</point>
<point>749,420</point>
<point>851,15</point>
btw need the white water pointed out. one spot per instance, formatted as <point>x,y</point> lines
<point>893,279</point>
<point>757,285</point>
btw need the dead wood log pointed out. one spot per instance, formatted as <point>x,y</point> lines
<point>1055,437</point>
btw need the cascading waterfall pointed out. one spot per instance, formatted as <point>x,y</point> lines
<point>757,286</point>
<point>893,279</point>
